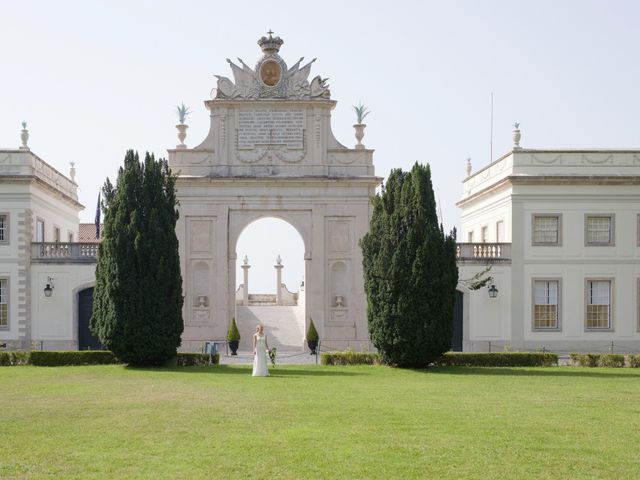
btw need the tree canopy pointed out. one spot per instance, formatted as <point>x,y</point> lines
<point>410,272</point>
<point>137,312</point>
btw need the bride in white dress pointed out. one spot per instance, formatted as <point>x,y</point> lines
<point>260,348</point>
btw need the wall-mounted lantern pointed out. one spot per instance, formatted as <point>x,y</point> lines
<point>493,290</point>
<point>48,288</point>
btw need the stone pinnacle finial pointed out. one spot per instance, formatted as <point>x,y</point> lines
<point>278,260</point>
<point>72,172</point>
<point>468,168</point>
<point>246,260</point>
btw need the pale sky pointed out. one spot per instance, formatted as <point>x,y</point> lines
<point>93,79</point>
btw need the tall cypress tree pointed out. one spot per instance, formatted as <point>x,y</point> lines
<point>410,272</point>
<point>137,310</point>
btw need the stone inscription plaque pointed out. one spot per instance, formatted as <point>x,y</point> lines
<point>263,126</point>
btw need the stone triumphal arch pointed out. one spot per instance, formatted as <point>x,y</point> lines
<point>270,152</point>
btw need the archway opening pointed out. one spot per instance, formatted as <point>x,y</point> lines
<point>86,339</point>
<point>270,283</point>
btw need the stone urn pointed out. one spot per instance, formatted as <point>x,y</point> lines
<point>359,135</point>
<point>516,136</point>
<point>24,136</point>
<point>182,134</point>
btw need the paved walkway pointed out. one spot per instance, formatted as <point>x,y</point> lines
<point>282,358</point>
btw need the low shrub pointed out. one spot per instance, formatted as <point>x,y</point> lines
<point>597,359</point>
<point>497,359</point>
<point>312,333</point>
<point>584,359</point>
<point>349,357</point>
<point>10,359</point>
<point>51,358</point>
<point>233,334</point>
<point>612,360</point>
<point>634,360</point>
<point>194,359</point>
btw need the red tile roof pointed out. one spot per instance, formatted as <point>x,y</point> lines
<point>88,233</point>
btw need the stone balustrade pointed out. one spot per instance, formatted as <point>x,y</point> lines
<point>483,252</point>
<point>61,252</point>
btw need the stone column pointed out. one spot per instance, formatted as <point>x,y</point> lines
<point>245,286</point>
<point>278,266</point>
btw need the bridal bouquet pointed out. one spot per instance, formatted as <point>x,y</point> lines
<point>272,356</point>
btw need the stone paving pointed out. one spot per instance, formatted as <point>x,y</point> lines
<point>282,358</point>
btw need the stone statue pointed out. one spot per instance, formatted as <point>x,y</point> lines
<point>319,88</point>
<point>226,88</point>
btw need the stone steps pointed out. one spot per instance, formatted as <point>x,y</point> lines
<point>284,326</point>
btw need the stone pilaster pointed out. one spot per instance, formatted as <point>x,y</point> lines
<point>25,231</point>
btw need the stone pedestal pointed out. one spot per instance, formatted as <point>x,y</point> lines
<point>278,266</point>
<point>245,290</point>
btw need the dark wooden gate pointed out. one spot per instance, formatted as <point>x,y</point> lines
<point>456,341</point>
<point>86,340</point>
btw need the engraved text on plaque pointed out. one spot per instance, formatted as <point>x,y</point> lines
<point>263,126</point>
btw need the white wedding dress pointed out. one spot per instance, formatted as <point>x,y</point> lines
<point>260,368</point>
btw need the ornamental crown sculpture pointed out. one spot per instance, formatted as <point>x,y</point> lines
<point>270,44</point>
<point>271,78</point>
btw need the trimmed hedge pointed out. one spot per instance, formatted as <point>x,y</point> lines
<point>611,360</point>
<point>497,359</point>
<point>634,360</point>
<point>349,357</point>
<point>10,359</point>
<point>50,358</point>
<point>194,360</point>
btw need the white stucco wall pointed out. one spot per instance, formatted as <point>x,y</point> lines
<point>55,319</point>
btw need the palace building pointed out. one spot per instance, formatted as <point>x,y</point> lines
<point>560,230</point>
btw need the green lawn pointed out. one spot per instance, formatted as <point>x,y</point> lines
<point>319,422</point>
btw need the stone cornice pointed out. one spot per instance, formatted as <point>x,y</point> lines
<point>280,181</point>
<point>553,180</point>
<point>570,179</point>
<point>269,102</point>
<point>33,179</point>
<point>491,188</point>
<point>573,150</point>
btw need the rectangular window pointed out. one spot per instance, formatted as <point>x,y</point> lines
<point>545,304</point>
<point>599,230</point>
<point>470,237</point>
<point>500,231</point>
<point>484,234</point>
<point>4,303</point>
<point>546,230</point>
<point>56,234</point>
<point>39,230</point>
<point>598,304</point>
<point>4,228</point>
